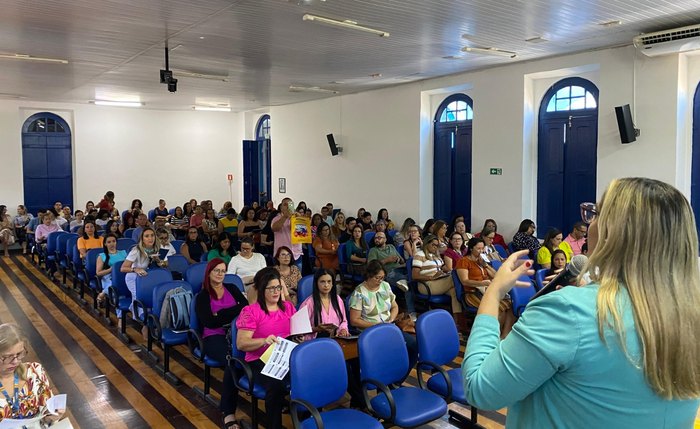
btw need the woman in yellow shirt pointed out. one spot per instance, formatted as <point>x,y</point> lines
<point>552,241</point>
<point>89,240</point>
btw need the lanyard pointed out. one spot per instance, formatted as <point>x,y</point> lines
<point>14,402</point>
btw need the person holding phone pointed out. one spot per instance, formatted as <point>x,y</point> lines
<point>282,226</point>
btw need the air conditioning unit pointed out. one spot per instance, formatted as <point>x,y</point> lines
<point>669,41</point>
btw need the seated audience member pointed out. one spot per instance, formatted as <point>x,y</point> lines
<point>552,241</point>
<point>289,273</point>
<point>165,248</point>
<point>461,227</point>
<point>439,230</point>
<point>36,221</point>
<point>218,304</point>
<point>308,213</point>
<point>187,209</point>
<point>366,221</point>
<point>7,230</point>
<point>28,381</point>
<point>103,216</point>
<point>476,274</point>
<point>428,227</point>
<point>281,226</point>
<point>179,223</point>
<point>452,226</point>
<point>142,223</point>
<point>429,271</point>
<point>229,224</point>
<point>161,223</point>
<point>380,226</point>
<point>360,212</point>
<point>302,206</point>
<point>383,214</point>
<point>356,251</point>
<point>261,217</point>
<point>326,216</point>
<point>413,242</point>
<point>107,259</point>
<point>59,218</point>
<point>77,221</point>
<point>338,226</point>
<point>259,325</point>
<point>247,263</point>
<point>346,234</point>
<point>46,227</point>
<point>489,236</point>
<point>577,238</point>
<point>114,227</point>
<point>89,206</point>
<point>316,220</point>
<point>107,202</point>
<point>20,221</point>
<point>224,209</point>
<point>373,302</point>
<point>248,227</point>
<point>162,210</point>
<point>402,234</point>
<point>557,264</point>
<point>197,218</point>
<point>525,239</point>
<point>326,248</point>
<point>136,204</point>
<point>267,236</point>
<point>395,268</point>
<point>193,248</point>
<point>455,250</point>
<point>498,238</point>
<point>223,249</point>
<point>89,240</point>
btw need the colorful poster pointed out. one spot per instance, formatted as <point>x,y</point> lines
<point>301,230</point>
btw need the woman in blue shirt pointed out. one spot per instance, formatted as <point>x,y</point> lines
<point>620,352</point>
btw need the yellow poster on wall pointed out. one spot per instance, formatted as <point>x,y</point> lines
<point>301,229</point>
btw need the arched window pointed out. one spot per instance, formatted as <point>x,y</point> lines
<point>567,153</point>
<point>452,161</point>
<point>262,131</point>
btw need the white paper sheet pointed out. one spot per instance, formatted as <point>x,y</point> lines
<point>278,364</point>
<point>300,323</point>
<point>34,423</point>
<point>56,402</point>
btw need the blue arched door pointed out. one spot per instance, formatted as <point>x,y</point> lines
<point>47,161</point>
<point>452,161</point>
<point>257,164</point>
<point>567,153</point>
<point>695,172</point>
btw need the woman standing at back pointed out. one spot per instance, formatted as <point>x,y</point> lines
<point>620,352</point>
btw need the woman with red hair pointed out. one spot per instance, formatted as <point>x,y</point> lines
<point>217,305</point>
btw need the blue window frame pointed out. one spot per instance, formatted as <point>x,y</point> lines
<point>262,130</point>
<point>571,97</point>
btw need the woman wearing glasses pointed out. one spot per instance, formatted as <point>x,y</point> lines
<point>217,305</point>
<point>259,325</point>
<point>25,386</point>
<point>621,351</point>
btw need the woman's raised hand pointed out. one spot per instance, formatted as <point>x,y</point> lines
<point>512,268</point>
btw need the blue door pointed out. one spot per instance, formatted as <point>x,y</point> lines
<point>695,172</point>
<point>567,153</point>
<point>47,161</point>
<point>257,177</point>
<point>452,159</point>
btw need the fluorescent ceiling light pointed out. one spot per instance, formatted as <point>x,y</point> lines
<point>345,24</point>
<point>490,51</point>
<point>184,73</point>
<point>212,109</point>
<point>118,103</point>
<point>31,58</point>
<point>293,88</point>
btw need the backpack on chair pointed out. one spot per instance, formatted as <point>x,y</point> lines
<point>176,310</point>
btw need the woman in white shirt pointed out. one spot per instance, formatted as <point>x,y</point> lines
<point>246,264</point>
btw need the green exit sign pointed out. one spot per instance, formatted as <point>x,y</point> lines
<point>496,171</point>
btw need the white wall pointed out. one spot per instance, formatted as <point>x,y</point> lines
<point>148,154</point>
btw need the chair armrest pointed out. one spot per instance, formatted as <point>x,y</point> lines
<point>441,370</point>
<point>248,373</point>
<point>383,389</point>
<point>154,329</point>
<point>113,296</point>
<point>194,340</point>
<point>295,416</point>
<point>425,285</point>
<point>144,315</point>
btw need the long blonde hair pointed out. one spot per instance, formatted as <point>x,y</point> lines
<point>10,336</point>
<point>648,245</point>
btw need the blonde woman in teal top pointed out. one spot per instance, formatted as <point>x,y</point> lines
<point>620,352</point>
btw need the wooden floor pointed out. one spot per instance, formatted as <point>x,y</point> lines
<point>109,384</point>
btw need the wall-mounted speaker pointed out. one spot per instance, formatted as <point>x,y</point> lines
<point>335,150</point>
<point>628,133</point>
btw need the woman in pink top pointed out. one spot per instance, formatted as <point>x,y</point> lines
<point>259,325</point>
<point>47,226</point>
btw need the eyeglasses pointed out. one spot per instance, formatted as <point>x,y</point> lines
<point>284,255</point>
<point>589,212</point>
<point>218,271</point>
<point>378,278</point>
<point>274,288</point>
<point>10,358</point>
<point>246,249</point>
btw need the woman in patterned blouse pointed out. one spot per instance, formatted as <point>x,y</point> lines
<point>25,387</point>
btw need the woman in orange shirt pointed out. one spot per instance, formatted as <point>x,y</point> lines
<point>89,240</point>
<point>326,247</point>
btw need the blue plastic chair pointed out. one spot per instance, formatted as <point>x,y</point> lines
<point>344,264</point>
<point>91,280</point>
<point>305,289</point>
<point>384,363</point>
<point>178,264</point>
<point>496,264</point>
<point>125,244</point>
<point>459,290</point>
<point>520,296</point>
<point>369,236</point>
<point>152,215</point>
<point>162,334</point>
<point>196,346</point>
<point>234,279</point>
<point>511,247</point>
<point>62,253</point>
<point>129,233</point>
<point>119,297</point>
<point>539,278</point>
<point>501,251</point>
<point>143,301</point>
<point>78,268</point>
<point>50,256</point>
<point>194,275</point>
<point>438,346</point>
<point>171,212</point>
<point>177,244</point>
<point>427,298</point>
<point>319,378</point>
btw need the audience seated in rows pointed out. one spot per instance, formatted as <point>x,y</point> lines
<point>289,272</point>
<point>552,241</point>
<point>489,237</point>
<point>326,248</point>
<point>247,262</point>
<point>455,250</point>
<point>577,238</point>
<point>109,256</point>
<point>194,247</point>
<point>525,238</point>
<point>7,230</point>
<point>222,249</point>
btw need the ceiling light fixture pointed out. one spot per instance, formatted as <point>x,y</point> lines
<point>345,24</point>
<point>212,109</point>
<point>490,51</point>
<point>612,23</point>
<point>31,58</point>
<point>117,103</point>
<point>185,73</point>
<point>294,88</point>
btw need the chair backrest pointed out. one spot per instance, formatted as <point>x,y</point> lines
<point>177,244</point>
<point>342,257</point>
<point>74,254</point>
<point>318,373</point>
<point>369,236</point>
<point>437,337</point>
<point>392,233</point>
<point>162,289</point>
<point>119,279</point>
<point>178,263</point>
<point>125,243</point>
<point>383,354</point>
<point>100,233</point>
<point>235,352</point>
<point>124,212</point>
<point>128,233</point>
<point>75,228</point>
<point>61,241</point>
<point>146,284</point>
<point>194,320</point>
<point>234,279</point>
<point>305,288</point>
<point>520,296</point>
<point>539,278</point>
<point>171,212</point>
<point>194,275</point>
<point>152,215</point>
<point>511,247</point>
<point>399,249</point>
<point>409,269</point>
<point>496,264</point>
<point>52,240</point>
<point>91,262</point>
<point>501,251</point>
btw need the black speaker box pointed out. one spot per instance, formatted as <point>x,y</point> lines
<point>625,124</point>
